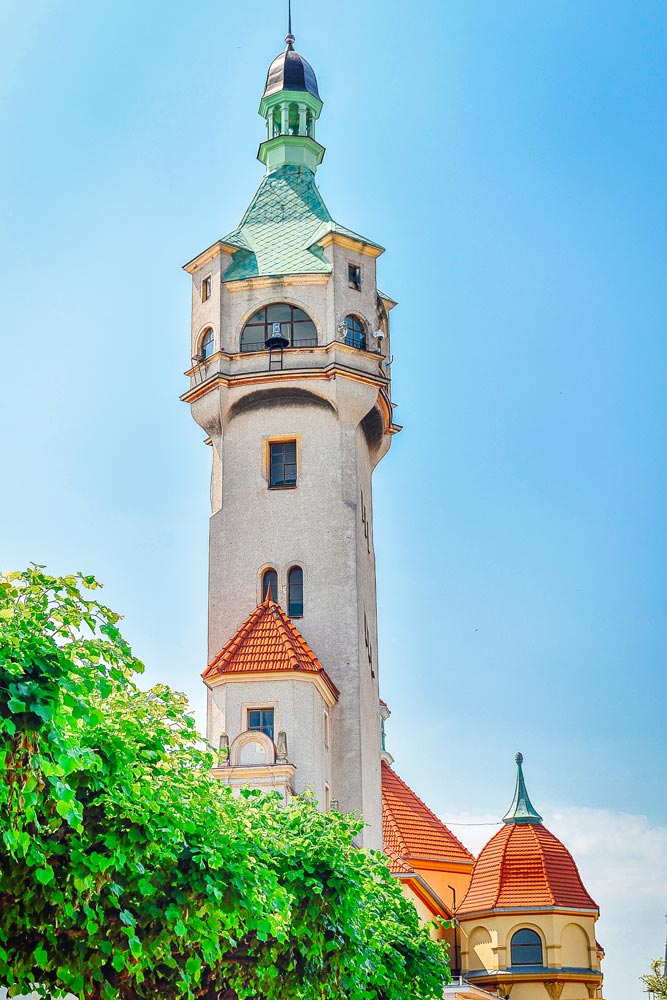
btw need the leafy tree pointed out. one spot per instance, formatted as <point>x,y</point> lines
<point>656,980</point>
<point>128,871</point>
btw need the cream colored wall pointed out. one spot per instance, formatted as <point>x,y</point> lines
<point>565,938</point>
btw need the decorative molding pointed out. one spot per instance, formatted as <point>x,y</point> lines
<point>555,989</point>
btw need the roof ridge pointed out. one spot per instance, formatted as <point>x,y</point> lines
<point>503,854</point>
<point>543,864</point>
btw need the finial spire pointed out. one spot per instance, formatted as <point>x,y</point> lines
<point>289,37</point>
<point>522,809</point>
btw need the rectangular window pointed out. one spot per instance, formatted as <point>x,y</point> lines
<point>282,464</point>
<point>261,720</point>
<point>206,288</point>
<point>354,276</point>
<point>327,798</point>
<point>326,729</point>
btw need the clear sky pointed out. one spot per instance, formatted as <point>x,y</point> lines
<point>511,157</point>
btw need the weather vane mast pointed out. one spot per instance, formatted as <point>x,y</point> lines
<point>289,37</point>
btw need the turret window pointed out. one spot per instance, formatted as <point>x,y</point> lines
<point>282,464</point>
<point>354,276</point>
<point>526,948</point>
<point>206,288</point>
<point>270,585</point>
<point>279,320</point>
<point>355,333</point>
<point>207,344</point>
<point>261,720</point>
<point>295,592</point>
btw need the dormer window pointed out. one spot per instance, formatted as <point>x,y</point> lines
<point>354,276</point>
<point>355,333</point>
<point>206,288</point>
<point>207,344</point>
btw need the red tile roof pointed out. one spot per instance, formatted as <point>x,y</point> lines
<point>267,640</point>
<point>410,829</point>
<point>397,866</point>
<point>524,866</point>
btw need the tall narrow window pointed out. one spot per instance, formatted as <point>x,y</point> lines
<point>207,344</point>
<point>206,288</point>
<point>261,720</point>
<point>526,948</point>
<point>295,592</point>
<point>270,585</point>
<point>282,464</point>
<point>354,276</point>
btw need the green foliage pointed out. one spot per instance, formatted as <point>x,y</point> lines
<point>656,980</point>
<point>128,871</point>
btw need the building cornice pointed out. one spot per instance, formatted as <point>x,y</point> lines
<point>438,864</point>
<point>275,281</point>
<point>215,250</point>
<point>349,243</point>
<point>323,682</point>
<point>527,911</point>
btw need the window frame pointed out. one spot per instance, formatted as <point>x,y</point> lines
<point>263,727</point>
<point>526,945</point>
<point>356,281</point>
<point>276,443</point>
<point>205,332</point>
<point>356,332</point>
<point>206,287</point>
<point>265,572</point>
<point>267,326</point>
<point>298,586</point>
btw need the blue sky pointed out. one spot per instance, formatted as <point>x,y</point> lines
<point>511,157</point>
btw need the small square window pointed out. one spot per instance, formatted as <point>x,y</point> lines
<point>354,276</point>
<point>206,288</point>
<point>282,464</point>
<point>260,720</point>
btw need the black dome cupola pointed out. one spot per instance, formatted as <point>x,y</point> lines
<point>290,71</point>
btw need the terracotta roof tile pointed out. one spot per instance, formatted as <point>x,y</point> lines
<point>267,640</point>
<point>524,865</point>
<point>409,827</point>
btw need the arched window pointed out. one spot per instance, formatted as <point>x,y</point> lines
<point>355,333</point>
<point>270,583</point>
<point>207,344</point>
<point>526,948</point>
<point>295,592</point>
<point>278,320</point>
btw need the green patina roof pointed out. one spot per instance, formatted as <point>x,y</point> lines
<point>276,235</point>
<point>522,809</point>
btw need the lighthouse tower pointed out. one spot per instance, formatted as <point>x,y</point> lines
<point>291,385</point>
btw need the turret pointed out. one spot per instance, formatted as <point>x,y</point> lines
<point>290,381</point>
<point>291,105</point>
